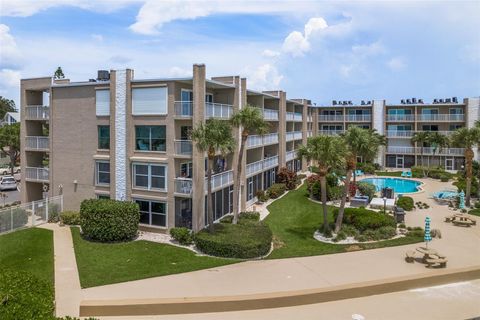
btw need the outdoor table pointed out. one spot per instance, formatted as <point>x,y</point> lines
<point>427,252</point>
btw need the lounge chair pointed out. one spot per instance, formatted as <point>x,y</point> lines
<point>406,174</point>
<point>359,173</point>
<point>379,203</point>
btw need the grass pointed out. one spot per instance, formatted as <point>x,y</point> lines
<point>294,219</point>
<point>28,250</point>
<point>389,173</point>
<point>475,212</point>
<point>106,263</point>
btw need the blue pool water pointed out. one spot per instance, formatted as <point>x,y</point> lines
<point>398,185</point>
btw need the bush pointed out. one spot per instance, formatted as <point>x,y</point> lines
<point>350,231</point>
<point>20,219</point>
<point>109,220</point>
<point>340,236</point>
<point>444,178</point>
<point>367,189</point>
<point>402,225</point>
<point>182,235</point>
<point>334,193</point>
<point>70,217</point>
<point>276,190</point>
<point>366,167</point>
<point>406,203</point>
<point>387,232</point>
<point>301,176</point>
<point>361,238</point>
<point>242,241</point>
<point>475,212</point>
<point>287,177</point>
<point>461,184</point>
<point>363,219</point>
<point>261,196</point>
<point>250,216</point>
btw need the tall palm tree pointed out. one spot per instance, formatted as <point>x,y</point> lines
<point>359,142</point>
<point>328,152</point>
<point>212,137</point>
<point>248,119</point>
<point>421,138</point>
<point>467,138</point>
<point>438,141</point>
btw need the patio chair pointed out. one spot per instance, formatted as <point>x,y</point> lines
<point>406,174</point>
<point>359,173</point>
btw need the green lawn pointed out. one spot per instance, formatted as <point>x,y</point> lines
<point>28,250</point>
<point>294,219</point>
<point>106,263</point>
<point>475,212</point>
<point>389,173</point>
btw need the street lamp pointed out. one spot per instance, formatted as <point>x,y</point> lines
<point>384,204</point>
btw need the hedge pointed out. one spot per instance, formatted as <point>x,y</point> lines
<point>406,203</point>
<point>109,220</point>
<point>363,219</point>
<point>182,235</point>
<point>276,190</point>
<point>242,241</point>
<point>71,218</point>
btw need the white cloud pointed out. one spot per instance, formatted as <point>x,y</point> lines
<point>97,37</point>
<point>177,72</point>
<point>9,53</point>
<point>263,77</point>
<point>270,53</point>
<point>372,49</point>
<point>396,64</point>
<point>297,44</point>
<point>9,81</point>
<point>119,59</point>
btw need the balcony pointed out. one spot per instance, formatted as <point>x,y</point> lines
<point>309,133</point>
<point>400,117</point>
<point>254,141</point>
<point>400,134</point>
<point>183,147</point>
<point>294,135</point>
<point>269,114</point>
<point>183,186</point>
<point>220,180</point>
<point>442,117</point>
<point>184,109</point>
<point>254,168</point>
<point>270,162</point>
<point>446,133</point>
<point>291,155</point>
<point>294,116</point>
<point>358,117</point>
<point>330,132</point>
<point>427,151</point>
<point>218,110</point>
<point>270,138</point>
<point>309,118</point>
<point>330,118</point>
<point>37,112</point>
<point>37,143</point>
<point>36,174</point>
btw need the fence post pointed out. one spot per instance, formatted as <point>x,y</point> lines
<point>11,219</point>
<point>46,209</point>
<point>33,213</point>
<point>61,203</point>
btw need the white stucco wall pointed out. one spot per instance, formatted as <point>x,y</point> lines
<point>121,135</point>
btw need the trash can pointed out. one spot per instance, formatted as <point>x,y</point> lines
<point>399,215</point>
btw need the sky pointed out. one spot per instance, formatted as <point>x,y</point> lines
<point>318,50</point>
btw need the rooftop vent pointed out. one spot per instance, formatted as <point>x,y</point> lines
<point>103,75</point>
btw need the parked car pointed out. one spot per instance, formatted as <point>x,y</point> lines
<point>6,170</point>
<point>8,183</point>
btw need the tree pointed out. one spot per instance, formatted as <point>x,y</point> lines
<point>6,105</point>
<point>328,152</point>
<point>438,141</point>
<point>211,137</point>
<point>10,143</point>
<point>421,138</point>
<point>59,73</point>
<point>467,138</point>
<point>248,119</point>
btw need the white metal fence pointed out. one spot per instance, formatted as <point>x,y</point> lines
<point>31,214</point>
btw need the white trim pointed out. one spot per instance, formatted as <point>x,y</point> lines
<point>150,211</point>
<point>121,135</point>
<point>149,176</point>
<point>97,171</point>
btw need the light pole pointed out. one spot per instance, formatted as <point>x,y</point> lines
<point>385,205</point>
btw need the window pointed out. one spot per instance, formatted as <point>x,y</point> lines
<point>102,102</point>
<point>148,101</point>
<point>456,111</point>
<point>103,137</point>
<point>150,176</point>
<point>150,138</point>
<point>153,213</point>
<point>103,196</point>
<point>102,173</point>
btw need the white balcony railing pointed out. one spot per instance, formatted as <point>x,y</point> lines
<point>294,135</point>
<point>270,138</point>
<point>270,162</point>
<point>358,117</point>
<point>291,155</point>
<point>426,150</point>
<point>400,117</point>
<point>254,141</point>
<point>254,168</point>
<point>218,110</point>
<point>401,150</point>
<point>183,186</point>
<point>36,174</point>
<point>400,133</point>
<point>330,118</point>
<point>37,143</point>
<point>37,112</point>
<point>309,118</point>
<point>297,116</point>
<point>184,109</point>
<point>289,116</point>
<point>220,180</point>
<point>309,133</point>
<point>441,117</point>
<point>269,114</point>
<point>330,132</point>
<point>183,147</point>
<point>447,133</point>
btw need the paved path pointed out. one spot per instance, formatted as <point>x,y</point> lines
<point>67,282</point>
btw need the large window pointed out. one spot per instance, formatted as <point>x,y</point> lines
<point>102,102</point>
<point>153,213</point>
<point>102,172</point>
<point>150,138</point>
<point>150,176</point>
<point>147,101</point>
<point>103,137</point>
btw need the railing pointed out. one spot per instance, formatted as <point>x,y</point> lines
<point>447,133</point>
<point>441,117</point>
<point>402,150</point>
<point>400,117</point>
<point>37,112</point>
<point>358,117</point>
<point>309,133</point>
<point>37,143</point>
<point>254,141</point>
<point>270,138</point>
<point>297,116</point>
<point>218,110</point>
<point>400,133</point>
<point>330,118</point>
<point>427,150</point>
<point>184,109</point>
<point>254,167</point>
<point>36,174</point>
<point>183,147</point>
<point>183,186</point>
<point>270,162</point>
<point>309,118</point>
<point>289,116</point>
<point>294,135</point>
<point>220,180</point>
<point>269,114</point>
<point>291,155</point>
<point>330,132</point>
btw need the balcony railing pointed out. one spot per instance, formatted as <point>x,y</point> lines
<point>309,133</point>
<point>270,162</point>
<point>37,143</point>
<point>400,133</point>
<point>358,117</point>
<point>220,180</point>
<point>269,114</point>
<point>37,112</point>
<point>330,132</point>
<point>330,118</point>
<point>183,147</point>
<point>218,110</point>
<point>254,168</point>
<point>400,117</point>
<point>184,109</point>
<point>270,138</point>
<point>36,174</point>
<point>294,135</point>
<point>309,118</point>
<point>426,151</point>
<point>291,155</point>
<point>294,116</point>
<point>447,133</point>
<point>183,186</point>
<point>254,141</point>
<point>441,117</point>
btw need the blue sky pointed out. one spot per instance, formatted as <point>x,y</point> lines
<point>319,50</point>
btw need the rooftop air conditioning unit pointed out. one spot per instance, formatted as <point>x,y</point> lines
<point>420,101</point>
<point>103,75</point>
<point>414,100</point>
<point>409,102</point>
<point>454,100</point>
<point>363,102</point>
<point>334,102</point>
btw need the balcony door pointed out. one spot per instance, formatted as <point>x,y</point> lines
<point>186,106</point>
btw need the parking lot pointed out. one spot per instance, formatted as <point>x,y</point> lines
<point>12,195</point>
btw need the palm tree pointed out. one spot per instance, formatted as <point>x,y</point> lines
<point>212,137</point>
<point>249,119</point>
<point>328,152</point>
<point>467,138</point>
<point>438,141</point>
<point>421,138</point>
<point>359,142</point>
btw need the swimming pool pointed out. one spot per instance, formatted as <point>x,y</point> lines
<point>398,185</point>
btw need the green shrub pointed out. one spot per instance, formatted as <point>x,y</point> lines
<point>366,167</point>
<point>350,231</point>
<point>261,196</point>
<point>361,238</point>
<point>287,177</point>
<point>70,217</point>
<point>402,225</point>
<point>182,235</point>
<point>16,218</point>
<point>462,185</point>
<point>367,189</point>
<point>363,219</point>
<point>276,190</point>
<point>444,178</point>
<point>242,241</point>
<point>301,176</point>
<point>340,236</point>
<point>406,203</point>
<point>53,212</point>
<point>250,215</point>
<point>334,193</point>
<point>387,232</point>
<point>371,235</point>
<point>477,205</point>
<point>109,220</point>
<point>475,212</point>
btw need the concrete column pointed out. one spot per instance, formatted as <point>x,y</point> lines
<point>472,113</point>
<point>378,122</point>
<point>198,158</point>
<point>282,129</point>
<point>242,94</point>
<point>315,121</point>
<point>304,128</point>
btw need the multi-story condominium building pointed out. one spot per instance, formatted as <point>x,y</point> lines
<point>127,138</point>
